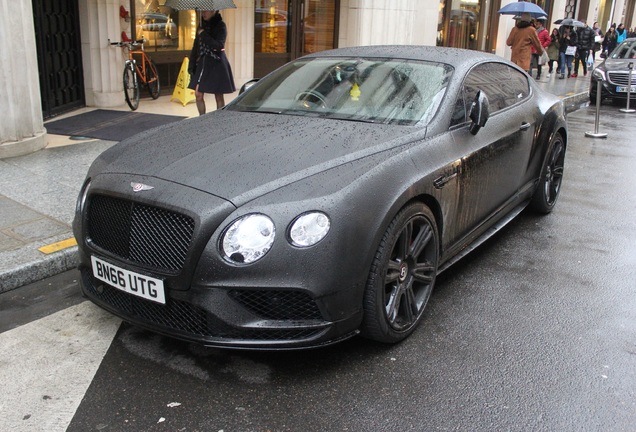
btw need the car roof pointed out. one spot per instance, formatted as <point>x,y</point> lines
<point>456,57</point>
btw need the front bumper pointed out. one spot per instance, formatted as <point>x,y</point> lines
<point>235,318</point>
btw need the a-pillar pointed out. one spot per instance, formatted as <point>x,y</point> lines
<point>21,125</point>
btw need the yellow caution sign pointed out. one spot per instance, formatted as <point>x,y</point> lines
<point>181,91</point>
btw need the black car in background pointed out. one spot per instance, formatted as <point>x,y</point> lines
<point>613,73</point>
<point>322,202</point>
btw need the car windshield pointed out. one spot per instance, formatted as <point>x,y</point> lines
<point>370,90</point>
<point>626,50</point>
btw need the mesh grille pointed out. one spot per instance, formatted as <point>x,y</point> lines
<point>183,317</point>
<point>621,78</point>
<point>278,305</point>
<point>138,233</point>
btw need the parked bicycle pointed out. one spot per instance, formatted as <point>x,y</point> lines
<point>139,70</point>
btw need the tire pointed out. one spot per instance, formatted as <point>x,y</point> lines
<point>402,276</point>
<point>152,77</point>
<point>131,88</point>
<point>592,99</point>
<point>547,192</point>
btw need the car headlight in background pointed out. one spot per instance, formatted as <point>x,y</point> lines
<point>599,74</point>
<point>309,228</point>
<point>248,239</point>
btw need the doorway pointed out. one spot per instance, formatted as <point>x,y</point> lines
<point>59,56</point>
<point>287,29</point>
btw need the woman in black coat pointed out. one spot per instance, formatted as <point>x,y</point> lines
<point>210,71</point>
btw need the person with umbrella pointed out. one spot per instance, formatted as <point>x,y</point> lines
<point>209,67</point>
<point>521,40</point>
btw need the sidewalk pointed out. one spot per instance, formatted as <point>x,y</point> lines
<point>38,191</point>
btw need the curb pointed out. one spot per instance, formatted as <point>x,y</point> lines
<point>33,271</point>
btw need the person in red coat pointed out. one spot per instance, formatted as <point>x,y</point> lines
<point>544,39</point>
<point>522,37</point>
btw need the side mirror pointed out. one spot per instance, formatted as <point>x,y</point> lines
<point>247,85</point>
<point>479,112</point>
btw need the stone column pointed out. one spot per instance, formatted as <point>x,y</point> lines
<point>386,22</point>
<point>21,126</point>
<point>103,64</point>
<point>240,40</point>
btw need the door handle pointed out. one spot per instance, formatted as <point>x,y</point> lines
<point>524,126</point>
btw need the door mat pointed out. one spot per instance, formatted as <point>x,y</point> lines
<point>107,124</point>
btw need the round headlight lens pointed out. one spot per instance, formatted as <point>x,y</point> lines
<point>248,239</point>
<point>309,229</point>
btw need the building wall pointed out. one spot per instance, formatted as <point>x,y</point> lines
<point>387,22</point>
<point>21,124</point>
<point>362,22</point>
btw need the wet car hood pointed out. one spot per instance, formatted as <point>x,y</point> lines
<point>238,155</point>
<point>612,65</point>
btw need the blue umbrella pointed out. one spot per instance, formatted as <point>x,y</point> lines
<point>517,8</point>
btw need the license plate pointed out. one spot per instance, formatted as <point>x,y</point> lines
<point>623,89</point>
<point>131,282</point>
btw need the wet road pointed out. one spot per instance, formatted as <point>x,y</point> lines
<point>536,330</point>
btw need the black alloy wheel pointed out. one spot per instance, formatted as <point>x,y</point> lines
<point>402,275</point>
<point>547,193</point>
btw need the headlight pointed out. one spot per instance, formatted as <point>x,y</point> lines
<point>309,228</point>
<point>248,239</point>
<point>599,74</point>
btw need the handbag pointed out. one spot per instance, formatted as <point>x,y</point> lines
<point>544,58</point>
<point>570,50</point>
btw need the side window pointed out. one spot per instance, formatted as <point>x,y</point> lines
<point>503,85</point>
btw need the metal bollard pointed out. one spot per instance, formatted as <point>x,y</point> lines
<point>596,133</point>
<point>629,89</point>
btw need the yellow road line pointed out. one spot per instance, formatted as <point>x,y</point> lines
<point>55,247</point>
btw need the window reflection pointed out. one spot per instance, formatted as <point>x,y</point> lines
<point>270,27</point>
<point>459,28</point>
<point>163,28</point>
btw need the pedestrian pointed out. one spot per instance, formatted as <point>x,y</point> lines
<point>553,52</point>
<point>598,39</point>
<point>567,49</point>
<point>521,38</point>
<point>585,44</point>
<point>209,68</point>
<point>609,42</point>
<point>621,33</point>
<point>544,40</point>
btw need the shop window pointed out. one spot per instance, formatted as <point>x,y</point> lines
<point>163,28</point>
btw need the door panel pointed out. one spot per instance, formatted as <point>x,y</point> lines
<point>498,156</point>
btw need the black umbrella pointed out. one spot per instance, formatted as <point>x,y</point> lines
<point>200,4</point>
<point>570,22</point>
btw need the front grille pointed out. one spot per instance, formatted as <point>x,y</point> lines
<point>621,78</point>
<point>141,234</point>
<point>278,305</point>
<point>183,317</point>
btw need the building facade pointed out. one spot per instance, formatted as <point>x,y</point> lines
<point>56,55</point>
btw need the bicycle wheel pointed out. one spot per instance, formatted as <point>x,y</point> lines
<point>152,78</point>
<point>131,87</point>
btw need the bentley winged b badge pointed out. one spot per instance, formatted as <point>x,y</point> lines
<point>138,187</point>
